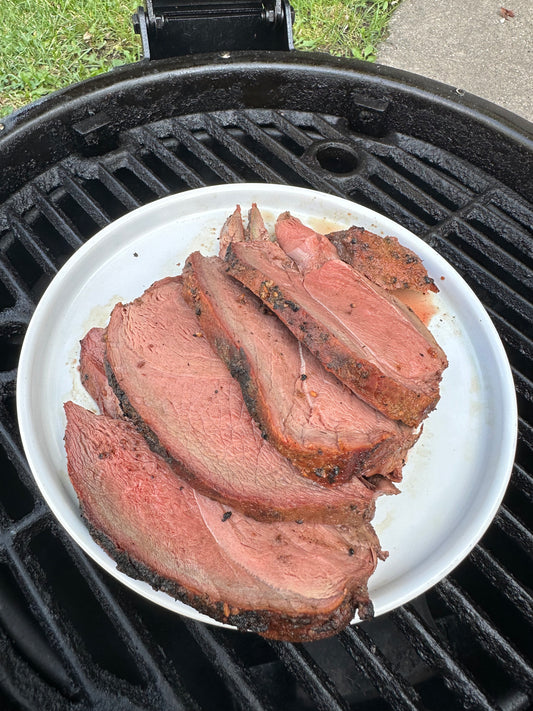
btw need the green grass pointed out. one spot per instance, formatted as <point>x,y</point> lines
<point>352,28</point>
<point>49,44</point>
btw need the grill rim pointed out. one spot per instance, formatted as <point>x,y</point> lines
<point>143,69</point>
<point>511,134</point>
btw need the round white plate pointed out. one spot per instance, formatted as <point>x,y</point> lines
<point>456,474</point>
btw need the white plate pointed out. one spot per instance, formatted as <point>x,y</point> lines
<point>458,471</point>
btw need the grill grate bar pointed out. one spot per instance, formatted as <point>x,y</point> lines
<point>11,687</point>
<point>494,286</point>
<point>241,152</point>
<point>310,175</point>
<point>525,442</point>
<point>9,443</point>
<point>24,306</point>
<point>382,198</point>
<point>59,641</point>
<point>218,165</point>
<point>145,137</point>
<point>146,662</point>
<point>57,220</point>
<point>418,201</point>
<point>39,513</point>
<point>503,580</point>
<point>433,653</point>
<point>285,125</point>
<point>493,223</point>
<point>523,482</point>
<point>514,214</point>
<point>444,189</point>
<point>120,192</point>
<point>495,257</point>
<point>33,245</point>
<point>82,197</point>
<point>516,530</point>
<point>523,387</point>
<point>450,164</point>
<point>512,336</point>
<point>18,626</point>
<point>360,190</point>
<point>227,666</point>
<point>13,450</point>
<point>147,176</point>
<point>316,682</point>
<point>400,695</point>
<point>492,641</point>
<point>331,132</point>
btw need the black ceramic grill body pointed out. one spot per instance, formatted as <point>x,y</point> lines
<point>451,168</point>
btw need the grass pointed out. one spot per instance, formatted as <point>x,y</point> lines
<point>49,44</point>
<point>349,28</point>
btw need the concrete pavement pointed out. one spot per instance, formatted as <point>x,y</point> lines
<point>469,45</point>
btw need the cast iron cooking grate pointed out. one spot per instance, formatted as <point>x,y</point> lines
<point>71,637</point>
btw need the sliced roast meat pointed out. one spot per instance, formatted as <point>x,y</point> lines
<point>326,431</point>
<point>286,581</point>
<point>232,231</point>
<point>307,248</point>
<point>255,230</point>
<point>92,372</point>
<point>183,398</point>
<point>383,260</point>
<point>362,334</point>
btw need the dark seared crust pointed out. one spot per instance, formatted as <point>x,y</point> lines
<point>234,358</point>
<point>298,628</point>
<point>128,410</point>
<point>349,513</point>
<point>363,377</point>
<point>382,259</point>
<point>325,466</point>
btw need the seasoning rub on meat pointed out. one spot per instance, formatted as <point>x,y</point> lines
<point>363,335</point>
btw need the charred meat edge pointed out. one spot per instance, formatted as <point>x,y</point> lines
<point>363,377</point>
<point>349,513</point>
<point>326,469</point>
<point>300,628</point>
<point>383,260</point>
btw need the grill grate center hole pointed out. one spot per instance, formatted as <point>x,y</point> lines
<point>337,159</point>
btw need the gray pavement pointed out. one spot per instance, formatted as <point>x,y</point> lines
<point>469,45</point>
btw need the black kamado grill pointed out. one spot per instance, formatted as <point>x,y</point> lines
<point>452,168</point>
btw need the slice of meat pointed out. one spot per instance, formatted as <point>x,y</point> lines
<point>255,230</point>
<point>232,231</point>
<point>92,372</point>
<point>383,260</point>
<point>325,430</point>
<point>286,581</point>
<point>366,337</point>
<point>307,248</point>
<point>182,397</point>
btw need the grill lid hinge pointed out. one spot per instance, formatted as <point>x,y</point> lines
<point>171,29</point>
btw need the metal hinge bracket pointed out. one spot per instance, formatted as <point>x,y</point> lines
<point>172,29</point>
